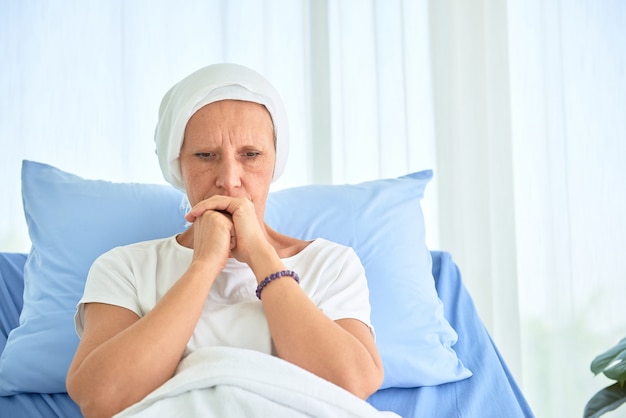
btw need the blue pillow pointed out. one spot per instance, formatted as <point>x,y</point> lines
<point>72,220</point>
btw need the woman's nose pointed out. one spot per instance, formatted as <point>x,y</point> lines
<point>229,175</point>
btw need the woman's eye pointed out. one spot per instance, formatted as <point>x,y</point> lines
<point>204,155</point>
<point>251,154</point>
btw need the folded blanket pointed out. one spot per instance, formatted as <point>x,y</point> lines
<point>234,382</point>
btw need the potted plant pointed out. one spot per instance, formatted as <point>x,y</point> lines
<point>613,364</point>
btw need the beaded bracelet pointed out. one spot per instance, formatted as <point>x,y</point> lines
<point>273,276</point>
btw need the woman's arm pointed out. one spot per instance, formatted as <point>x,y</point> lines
<point>121,358</point>
<point>341,351</point>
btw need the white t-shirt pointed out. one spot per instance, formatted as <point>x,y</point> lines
<point>137,276</point>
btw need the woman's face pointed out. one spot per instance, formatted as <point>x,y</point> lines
<point>228,149</point>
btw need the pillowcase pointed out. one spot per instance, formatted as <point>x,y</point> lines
<point>72,221</point>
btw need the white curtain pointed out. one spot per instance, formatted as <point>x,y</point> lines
<point>518,106</point>
<point>568,90</point>
<point>469,52</point>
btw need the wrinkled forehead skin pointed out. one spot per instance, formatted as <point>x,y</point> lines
<point>207,85</point>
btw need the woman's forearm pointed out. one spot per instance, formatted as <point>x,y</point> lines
<point>305,336</point>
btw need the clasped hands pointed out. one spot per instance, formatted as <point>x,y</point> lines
<point>226,226</point>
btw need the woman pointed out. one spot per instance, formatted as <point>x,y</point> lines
<point>227,280</point>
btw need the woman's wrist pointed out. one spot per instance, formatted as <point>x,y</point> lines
<point>274,276</point>
<point>265,262</point>
<point>206,267</point>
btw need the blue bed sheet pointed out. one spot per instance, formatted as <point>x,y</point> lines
<point>11,290</point>
<point>490,392</point>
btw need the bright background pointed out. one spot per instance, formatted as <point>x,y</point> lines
<point>519,106</point>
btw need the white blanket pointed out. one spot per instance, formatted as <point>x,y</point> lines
<point>233,382</point>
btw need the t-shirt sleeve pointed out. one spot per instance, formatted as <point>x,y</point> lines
<point>347,296</point>
<point>110,281</point>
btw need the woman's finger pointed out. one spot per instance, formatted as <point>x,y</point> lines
<point>223,204</point>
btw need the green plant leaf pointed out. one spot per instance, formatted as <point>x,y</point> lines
<point>605,400</point>
<point>606,359</point>
<point>617,372</point>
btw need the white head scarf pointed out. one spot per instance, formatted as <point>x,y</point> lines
<point>207,85</point>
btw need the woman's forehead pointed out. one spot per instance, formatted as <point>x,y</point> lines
<point>231,113</point>
<point>229,107</point>
<point>243,120</point>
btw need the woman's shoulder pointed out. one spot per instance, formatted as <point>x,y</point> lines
<point>323,249</point>
<point>287,246</point>
<point>140,249</point>
<point>325,245</point>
